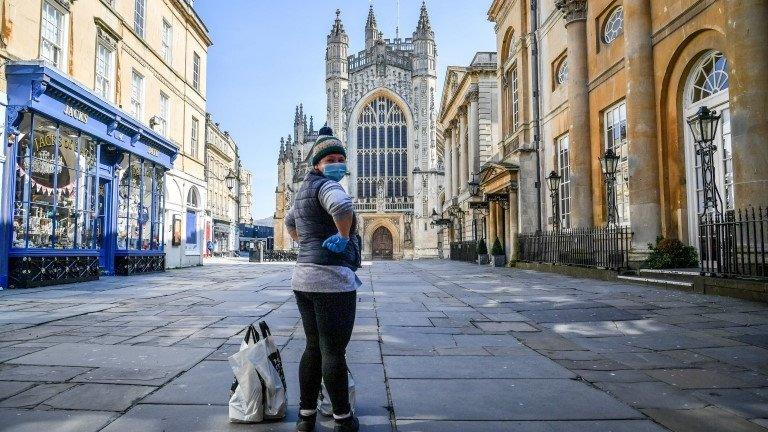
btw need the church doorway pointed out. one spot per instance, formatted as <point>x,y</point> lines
<point>382,244</point>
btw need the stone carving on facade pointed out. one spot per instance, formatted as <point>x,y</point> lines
<point>573,10</point>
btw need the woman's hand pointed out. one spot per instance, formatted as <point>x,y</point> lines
<point>336,243</point>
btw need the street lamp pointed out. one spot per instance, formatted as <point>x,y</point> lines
<point>474,186</point>
<point>553,181</point>
<point>609,164</point>
<point>231,180</point>
<point>703,126</point>
<point>434,216</point>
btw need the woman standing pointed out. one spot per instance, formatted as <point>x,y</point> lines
<point>322,221</point>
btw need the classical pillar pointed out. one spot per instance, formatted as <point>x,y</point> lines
<point>747,36</point>
<point>644,197</point>
<point>575,14</point>
<point>512,225</point>
<point>474,132</point>
<point>448,163</point>
<point>455,160</point>
<point>463,149</point>
<point>500,225</point>
<point>491,237</point>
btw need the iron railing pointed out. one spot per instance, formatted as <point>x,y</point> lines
<point>588,247</point>
<point>464,251</point>
<point>733,244</point>
<point>272,256</point>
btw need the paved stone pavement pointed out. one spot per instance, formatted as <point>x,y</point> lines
<point>438,346</point>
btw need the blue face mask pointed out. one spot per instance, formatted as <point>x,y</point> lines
<point>335,171</point>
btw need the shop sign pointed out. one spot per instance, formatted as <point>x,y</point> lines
<point>76,114</point>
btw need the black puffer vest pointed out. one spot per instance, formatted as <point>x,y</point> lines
<point>314,225</point>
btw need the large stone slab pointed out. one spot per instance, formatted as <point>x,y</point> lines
<point>529,426</point>
<point>522,366</point>
<point>99,397</point>
<point>579,315</point>
<point>503,399</point>
<point>34,396</point>
<point>709,419</point>
<point>207,383</point>
<point>15,420</point>
<point>9,372</point>
<point>116,356</point>
<point>652,395</point>
<point>700,378</point>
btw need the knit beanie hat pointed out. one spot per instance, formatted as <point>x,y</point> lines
<point>326,144</point>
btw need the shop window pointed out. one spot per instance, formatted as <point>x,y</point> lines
<point>193,204</point>
<point>55,197</point>
<point>140,204</point>
<point>614,25</point>
<point>53,35</point>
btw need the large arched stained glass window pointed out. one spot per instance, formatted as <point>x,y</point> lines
<point>382,150</point>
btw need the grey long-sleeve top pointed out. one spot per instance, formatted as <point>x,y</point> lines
<point>320,278</point>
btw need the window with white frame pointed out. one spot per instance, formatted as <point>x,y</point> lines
<point>165,113</point>
<point>194,139</point>
<point>196,71</point>
<point>564,170</point>
<point>52,35</point>
<point>515,100</point>
<point>166,49</point>
<point>139,16</point>
<point>562,71</point>
<point>137,95</point>
<point>105,68</point>
<point>614,25</point>
<point>615,131</point>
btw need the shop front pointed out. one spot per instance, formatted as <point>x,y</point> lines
<point>84,185</point>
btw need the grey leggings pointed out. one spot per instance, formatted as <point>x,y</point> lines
<point>328,319</point>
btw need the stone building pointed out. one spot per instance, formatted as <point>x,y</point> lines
<point>246,196</point>
<point>578,78</point>
<point>141,63</point>
<point>468,117</point>
<point>222,161</point>
<point>381,104</point>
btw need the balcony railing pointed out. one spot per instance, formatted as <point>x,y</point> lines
<point>464,251</point>
<point>589,247</point>
<point>733,244</point>
<point>389,205</point>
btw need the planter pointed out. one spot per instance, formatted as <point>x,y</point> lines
<point>499,260</point>
<point>483,259</point>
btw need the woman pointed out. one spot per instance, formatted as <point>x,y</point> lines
<point>322,221</point>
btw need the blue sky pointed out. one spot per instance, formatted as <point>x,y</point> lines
<point>269,55</point>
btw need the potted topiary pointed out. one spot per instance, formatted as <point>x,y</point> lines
<point>482,253</point>
<point>499,258</point>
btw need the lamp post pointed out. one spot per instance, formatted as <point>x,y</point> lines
<point>703,126</point>
<point>609,164</point>
<point>553,181</point>
<point>474,186</point>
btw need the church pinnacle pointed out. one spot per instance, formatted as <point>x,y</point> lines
<point>424,28</point>
<point>372,33</point>
<point>338,34</point>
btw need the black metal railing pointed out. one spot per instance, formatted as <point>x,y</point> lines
<point>272,256</point>
<point>464,251</point>
<point>733,244</point>
<point>589,247</point>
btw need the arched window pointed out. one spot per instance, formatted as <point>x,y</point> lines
<point>382,147</point>
<point>614,25</point>
<point>710,77</point>
<point>192,198</point>
<point>193,205</point>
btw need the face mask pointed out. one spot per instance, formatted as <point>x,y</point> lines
<point>335,171</point>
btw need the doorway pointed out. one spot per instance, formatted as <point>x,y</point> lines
<point>103,225</point>
<point>382,244</point>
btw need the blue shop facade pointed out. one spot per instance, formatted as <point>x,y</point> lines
<point>83,184</point>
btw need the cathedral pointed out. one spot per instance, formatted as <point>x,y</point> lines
<point>381,104</point>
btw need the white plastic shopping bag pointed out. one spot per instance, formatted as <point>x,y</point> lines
<point>258,392</point>
<point>324,400</point>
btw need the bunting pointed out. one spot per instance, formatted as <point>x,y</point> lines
<point>46,190</point>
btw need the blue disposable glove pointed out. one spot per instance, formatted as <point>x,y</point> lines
<point>336,243</point>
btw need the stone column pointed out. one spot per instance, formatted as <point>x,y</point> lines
<point>448,163</point>
<point>512,226</point>
<point>474,132</point>
<point>463,149</point>
<point>455,160</point>
<point>644,197</point>
<point>491,225</point>
<point>500,225</point>
<point>575,14</point>
<point>747,36</point>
